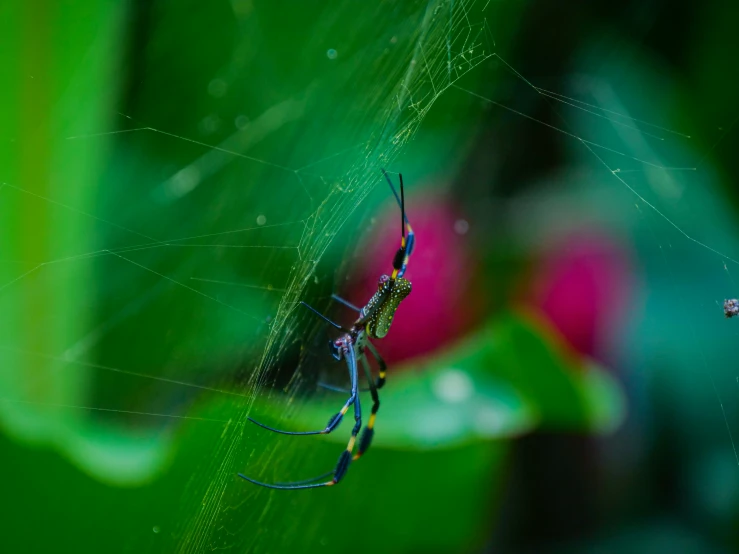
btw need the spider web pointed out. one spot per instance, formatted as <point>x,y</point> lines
<point>255,208</point>
<point>184,332</point>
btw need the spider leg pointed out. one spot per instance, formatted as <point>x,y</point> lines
<point>411,239</point>
<point>287,486</point>
<point>334,388</point>
<point>408,249</point>
<point>323,317</point>
<point>380,362</point>
<point>336,419</point>
<point>395,192</point>
<point>305,481</point>
<point>346,303</point>
<point>332,424</point>
<point>366,439</point>
<point>342,465</point>
<point>380,378</point>
<point>342,389</point>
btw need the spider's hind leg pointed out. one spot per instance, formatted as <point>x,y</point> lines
<point>336,419</point>
<point>366,439</point>
<point>333,423</point>
<point>381,364</point>
<point>345,458</point>
<point>347,455</point>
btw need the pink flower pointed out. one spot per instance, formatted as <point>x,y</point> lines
<point>583,285</point>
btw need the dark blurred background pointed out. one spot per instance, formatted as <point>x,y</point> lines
<point>176,175</point>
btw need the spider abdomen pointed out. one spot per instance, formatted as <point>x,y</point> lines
<point>379,322</point>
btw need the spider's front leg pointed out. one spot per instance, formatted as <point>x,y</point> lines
<point>369,432</point>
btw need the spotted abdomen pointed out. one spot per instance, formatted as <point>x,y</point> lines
<point>379,322</point>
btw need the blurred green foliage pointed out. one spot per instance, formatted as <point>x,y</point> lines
<point>121,223</point>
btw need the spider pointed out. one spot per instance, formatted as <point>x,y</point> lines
<point>373,322</point>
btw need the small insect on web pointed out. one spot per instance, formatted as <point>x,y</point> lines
<point>373,322</point>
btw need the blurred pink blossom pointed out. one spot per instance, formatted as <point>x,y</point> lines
<point>583,284</point>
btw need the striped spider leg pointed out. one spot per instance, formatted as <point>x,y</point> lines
<point>373,322</point>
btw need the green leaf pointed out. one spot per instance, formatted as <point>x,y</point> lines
<point>568,391</point>
<point>507,379</point>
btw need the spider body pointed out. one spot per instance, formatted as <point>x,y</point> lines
<point>731,307</point>
<point>352,346</point>
<point>382,306</point>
